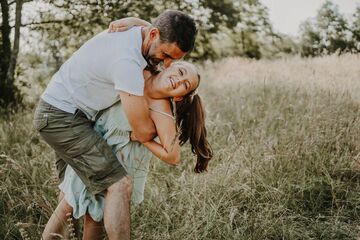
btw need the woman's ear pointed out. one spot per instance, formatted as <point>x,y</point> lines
<point>178,99</point>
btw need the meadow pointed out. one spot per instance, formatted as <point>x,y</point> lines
<point>286,138</point>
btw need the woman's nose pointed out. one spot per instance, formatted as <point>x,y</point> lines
<point>179,81</point>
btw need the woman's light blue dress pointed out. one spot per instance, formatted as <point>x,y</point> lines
<point>114,127</point>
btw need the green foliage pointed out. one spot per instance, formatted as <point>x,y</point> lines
<point>355,28</point>
<point>333,28</point>
<point>80,20</point>
<point>252,36</point>
<point>328,33</point>
<point>222,13</point>
<point>70,23</point>
<point>247,44</point>
<point>310,39</point>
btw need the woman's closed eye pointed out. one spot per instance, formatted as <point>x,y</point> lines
<point>187,85</point>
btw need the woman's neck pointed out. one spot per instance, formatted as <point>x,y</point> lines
<point>148,87</point>
<point>150,90</point>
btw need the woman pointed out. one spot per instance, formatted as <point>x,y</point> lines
<point>177,120</point>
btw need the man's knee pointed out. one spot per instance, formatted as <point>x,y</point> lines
<point>123,186</point>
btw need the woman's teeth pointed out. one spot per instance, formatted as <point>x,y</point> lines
<point>172,82</point>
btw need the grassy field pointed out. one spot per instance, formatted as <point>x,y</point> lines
<point>286,137</point>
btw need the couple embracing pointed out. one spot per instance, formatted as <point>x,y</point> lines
<point>102,111</point>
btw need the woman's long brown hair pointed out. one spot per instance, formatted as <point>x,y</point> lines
<point>190,120</point>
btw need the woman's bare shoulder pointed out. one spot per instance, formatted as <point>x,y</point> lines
<point>163,105</point>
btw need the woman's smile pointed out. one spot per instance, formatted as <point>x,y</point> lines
<point>172,82</point>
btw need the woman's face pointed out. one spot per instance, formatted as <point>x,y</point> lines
<point>177,80</point>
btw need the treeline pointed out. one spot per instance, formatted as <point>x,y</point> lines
<point>54,29</point>
<point>330,32</point>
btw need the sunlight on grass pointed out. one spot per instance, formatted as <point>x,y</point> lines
<point>286,139</point>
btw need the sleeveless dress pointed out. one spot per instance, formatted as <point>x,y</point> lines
<point>114,127</point>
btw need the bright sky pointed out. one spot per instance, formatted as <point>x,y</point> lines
<point>287,15</point>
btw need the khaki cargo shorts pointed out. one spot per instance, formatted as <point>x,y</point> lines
<point>76,143</point>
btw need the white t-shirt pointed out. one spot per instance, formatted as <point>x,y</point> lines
<point>91,78</point>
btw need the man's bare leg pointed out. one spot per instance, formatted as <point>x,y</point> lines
<point>93,230</point>
<point>117,210</point>
<point>57,221</point>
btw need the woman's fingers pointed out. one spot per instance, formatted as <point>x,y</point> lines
<point>117,29</point>
<point>121,29</point>
<point>119,25</point>
<point>126,23</point>
<point>111,28</point>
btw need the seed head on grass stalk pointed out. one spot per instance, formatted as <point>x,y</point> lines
<point>71,227</point>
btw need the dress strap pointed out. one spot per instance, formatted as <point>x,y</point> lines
<point>163,113</point>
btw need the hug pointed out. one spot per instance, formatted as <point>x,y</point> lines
<point>118,100</point>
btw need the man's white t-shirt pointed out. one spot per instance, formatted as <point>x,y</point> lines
<point>90,80</point>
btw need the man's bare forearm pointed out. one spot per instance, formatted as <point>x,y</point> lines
<point>137,112</point>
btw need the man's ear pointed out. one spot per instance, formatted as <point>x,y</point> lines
<point>154,33</point>
<point>178,99</point>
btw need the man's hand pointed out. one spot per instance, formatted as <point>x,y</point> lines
<point>126,23</point>
<point>132,137</point>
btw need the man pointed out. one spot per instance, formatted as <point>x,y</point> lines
<point>104,69</point>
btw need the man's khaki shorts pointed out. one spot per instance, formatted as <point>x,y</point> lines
<point>76,143</point>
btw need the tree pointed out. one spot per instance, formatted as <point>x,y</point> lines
<point>310,39</point>
<point>333,29</point>
<point>355,29</point>
<point>328,33</point>
<point>10,95</point>
<point>253,32</point>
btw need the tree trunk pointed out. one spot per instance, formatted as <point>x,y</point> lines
<point>15,51</point>
<point>9,93</point>
<point>5,45</point>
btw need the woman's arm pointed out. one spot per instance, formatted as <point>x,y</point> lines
<point>169,149</point>
<point>124,24</point>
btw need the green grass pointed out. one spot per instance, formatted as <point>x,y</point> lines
<point>286,162</point>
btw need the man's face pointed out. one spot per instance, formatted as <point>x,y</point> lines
<point>162,52</point>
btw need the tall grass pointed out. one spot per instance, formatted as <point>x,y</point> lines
<point>286,137</point>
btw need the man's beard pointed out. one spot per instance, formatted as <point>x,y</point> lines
<point>152,66</point>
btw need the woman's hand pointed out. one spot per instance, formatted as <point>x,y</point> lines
<point>126,23</point>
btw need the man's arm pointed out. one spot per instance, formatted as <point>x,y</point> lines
<point>137,112</point>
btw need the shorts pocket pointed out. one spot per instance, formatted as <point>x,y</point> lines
<point>80,124</point>
<point>40,121</point>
